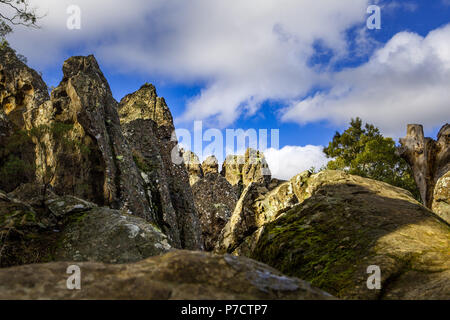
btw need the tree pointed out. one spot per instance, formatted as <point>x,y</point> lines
<point>15,13</point>
<point>365,152</point>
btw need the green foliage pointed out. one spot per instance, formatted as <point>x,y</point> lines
<point>18,12</point>
<point>365,152</point>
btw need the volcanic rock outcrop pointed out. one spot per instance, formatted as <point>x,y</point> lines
<point>147,124</point>
<point>75,145</point>
<point>21,90</point>
<point>342,224</point>
<point>215,200</point>
<point>241,170</point>
<point>210,165</point>
<point>193,166</point>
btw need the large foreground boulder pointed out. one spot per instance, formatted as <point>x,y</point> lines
<point>342,225</point>
<point>176,275</point>
<point>70,229</point>
<point>107,235</point>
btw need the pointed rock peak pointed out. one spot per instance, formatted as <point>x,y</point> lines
<point>444,133</point>
<point>210,165</point>
<point>193,166</point>
<point>145,104</point>
<point>83,64</point>
<point>189,157</point>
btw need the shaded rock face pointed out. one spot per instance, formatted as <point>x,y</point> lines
<point>240,171</point>
<point>215,200</point>
<point>148,127</point>
<point>71,229</point>
<point>107,235</point>
<point>342,224</point>
<point>172,276</point>
<point>24,236</point>
<point>441,197</point>
<point>193,166</point>
<point>21,90</point>
<point>429,159</point>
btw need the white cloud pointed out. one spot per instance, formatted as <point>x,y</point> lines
<point>406,81</point>
<point>291,160</point>
<point>244,52</point>
<point>254,50</point>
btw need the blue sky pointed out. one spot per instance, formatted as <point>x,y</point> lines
<point>303,67</point>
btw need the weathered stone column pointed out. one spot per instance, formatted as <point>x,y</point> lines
<point>429,159</point>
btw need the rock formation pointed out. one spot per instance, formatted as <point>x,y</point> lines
<point>215,200</point>
<point>256,206</point>
<point>87,179</point>
<point>147,124</point>
<point>210,165</point>
<point>240,170</point>
<point>177,275</point>
<point>21,90</point>
<point>344,223</point>
<point>75,145</point>
<point>429,159</point>
<point>193,166</point>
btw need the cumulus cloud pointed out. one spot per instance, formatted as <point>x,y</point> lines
<point>243,52</point>
<point>288,161</point>
<point>251,51</point>
<point>406,81</point>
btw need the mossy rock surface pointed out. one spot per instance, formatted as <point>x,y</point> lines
<point>71,229</point>
<point>441,198</point>
<point>24,233</point>
<point>111,236</point>
<point>349,223</point>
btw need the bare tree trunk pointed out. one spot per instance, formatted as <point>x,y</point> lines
<point>429,159</point>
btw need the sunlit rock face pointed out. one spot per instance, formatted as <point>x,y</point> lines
<point>22,90</point>
<point>441,197</point>
<point>241,170</point>
<point>329,227</point>
<point>193,166</point>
